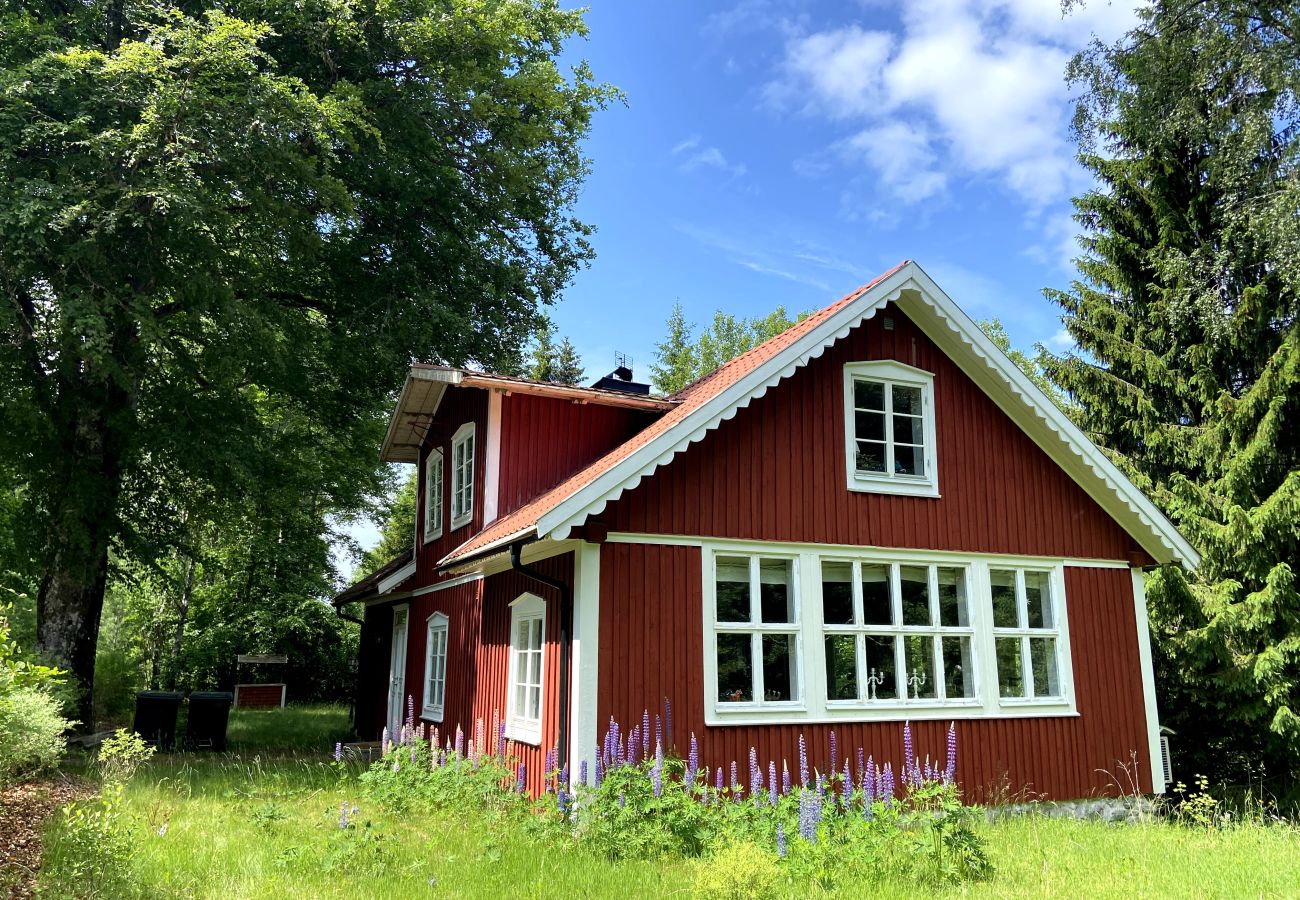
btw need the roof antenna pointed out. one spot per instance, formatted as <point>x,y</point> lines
<point>622,366</point>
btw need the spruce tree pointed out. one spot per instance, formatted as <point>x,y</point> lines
<point>675,361</point>
<point>567,367</point>
<point>1185,310</point>
<point>541,356</point>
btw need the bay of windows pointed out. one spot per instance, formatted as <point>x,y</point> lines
<point>831,635</point>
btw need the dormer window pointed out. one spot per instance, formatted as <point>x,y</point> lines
<point>433,495</point>
<point>462,475</point>
<point>889,429</point>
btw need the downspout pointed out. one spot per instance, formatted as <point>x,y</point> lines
<point>566,647</point>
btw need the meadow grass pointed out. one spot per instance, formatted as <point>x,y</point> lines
<point>262,821</point>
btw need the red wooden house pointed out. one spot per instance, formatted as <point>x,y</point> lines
<point>873,517</point>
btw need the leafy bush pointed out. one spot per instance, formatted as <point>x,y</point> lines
<point>89,852</point>
<point>121,755</point>
<point>741,871</point>
<point>31,733</point>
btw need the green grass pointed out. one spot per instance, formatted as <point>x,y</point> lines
<point>262,822</point>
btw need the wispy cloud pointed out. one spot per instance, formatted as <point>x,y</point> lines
<point>694,156</point>
<point>791,258</point>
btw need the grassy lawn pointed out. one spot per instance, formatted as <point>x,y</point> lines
<point>262,821</point>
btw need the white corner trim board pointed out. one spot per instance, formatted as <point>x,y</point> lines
<point>492,459</point>
<point>585,664</point>
<point>1148,683</point>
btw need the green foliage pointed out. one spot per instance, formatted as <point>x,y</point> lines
<point>398,534</point>
<point>623,819</point>
<point>1033,366</point>
<point>31,733</point>
<point>412,775</point>
<point>88,853</point>
<point>121,755</point>
<point>548,361</point>
<point>1187,315</point>
<point>741,871</point>
<point>681,358</point>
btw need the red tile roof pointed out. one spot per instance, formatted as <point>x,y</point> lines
<point>522,521</point>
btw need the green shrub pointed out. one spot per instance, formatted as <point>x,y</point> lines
<point>121,755</point>
<point>117,679</point>
<point>624,819</point>
<point>31,733</point>
<point>88,853</point>
<point>742,871</point>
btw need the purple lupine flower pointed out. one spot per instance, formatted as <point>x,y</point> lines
<point>501,741</point>
<point>835,756</point>
<point>869,780</point>
<point>383,740</point>
<point>887,784</point>
<point>634,746</point>
<point>657,773</point>
<point>803,761</point>
<point>338,751</point>
<point>622,800</point>
<point>755,774</point>
<point>600,772</point>
<point>693,762</point>
<point>549,764</point>
<point>668,720</point>
<point>861,761</point>
<point>522,780</point>
<point>821,785</point>
<point>907,752</point>
<point>478,735</point>
<point>645,733</point>
<point>582,773</point>
<point>460,743</point>
<point>771,782</point>
<point>412,753</point>
<point>659,729</point>
<point>810,814</point>
<point>780,840</point>
<point>846,787</point>
<point>950,770</point>
<point>410,709</point>
<point>564,775</point>
<point>929,771</point>
<point>343,816</point>
<point>785,778</point>
<point>735,777</point>
<point>718,780</point>
<point>562,801</point>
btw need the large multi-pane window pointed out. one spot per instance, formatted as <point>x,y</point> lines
<point>889,422</point>
<point>830,635</point>
<point>435,667</point>
<point>527,642</point>
<point>757,632</point>
<point>462,475</point>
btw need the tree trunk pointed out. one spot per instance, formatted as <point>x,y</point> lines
<point>182,613</point>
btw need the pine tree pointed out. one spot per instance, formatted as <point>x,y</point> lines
<point>541,356</point>
<point>1186,312</point>
<point>567,365</point>
<point>675,363</point>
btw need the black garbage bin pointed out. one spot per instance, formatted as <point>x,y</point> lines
<point>209,714</point>
<point>155,717</point>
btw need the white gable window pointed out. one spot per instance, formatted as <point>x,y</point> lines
<point>433,495</point>
<point>462,475</point>
<point>805,633</point>
<point>889,429</point>
<point>527,643</point>
<point>435,667</point>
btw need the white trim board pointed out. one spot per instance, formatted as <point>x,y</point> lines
<point>1148,683</point>
<point>492,459</point>
<point>584,725</point>
<point>396,578</point>
<point>962,340</point>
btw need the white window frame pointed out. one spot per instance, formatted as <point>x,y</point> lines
<point>889,373</point>
<point>813,704</point>
<point>433,494</point>
<point>1059,632</point>
<point>519,725</point>
<point>462,475</point>
<point>435,665</point>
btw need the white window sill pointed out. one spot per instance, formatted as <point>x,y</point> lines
<point>431,715</point>
<point>430,538</point>
<point>525,734</point>
<point>896,715</point>
<point>907,487</point>
<point>462,521</point>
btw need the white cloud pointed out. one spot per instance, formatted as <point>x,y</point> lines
<point>964,88</point>
<point>695,157</point>
<point>784,256</point>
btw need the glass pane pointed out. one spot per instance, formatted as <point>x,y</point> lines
<point>521,694</point>
<point>1038,600</point>
<point>778,667</point>
<point>521,635</point>
<point>777,600</point>
<point>953,610</point>
<point>920,667</point>
<point>1011,682</point>
<point>536,637</point>
<point>876,608</point>
<point>915,586</point>
<point>909,460</point>
<point>1042,656</point>
<point>907,430</point>
<point>869,426</point>
<point>535,703</point>
<point>837,593</point>
<point>1004,598</point>
<point>868,394</point>
<point>871,457</point>
<point>958,671</point>
<point>735,676</point>
<point>534,668</point>
<point>907,400</point>
<point>733,589</point>
<point>841,667</point>
<point>881,664</point>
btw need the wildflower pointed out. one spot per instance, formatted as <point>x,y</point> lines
<point>657,776</point>
<point>693,761</point>
<point>803,761</point>
<point>907,751</point>
<point>846,786</point>
<point>478,734</point>
<point>162,830</point>
<point>383,740</point>
<point>810,814</point>
<point>950,771</point>
<point>785,778</point>
<point>659,729</point>
<point>887,784</point>
<point>522,780</point>
<point>735,777</point>
<point>338,751</point>
<point>412,753</point>
<point>622,800</point>
<point>861,764</point>
<point>834,752</point>
<point>869,780</point>
<point>562,801</point>
<point>549,765</point>
<point>410,710</point>
<point>501,743</point>
<point>645,733</point>
<point>633,746</point>
<point>821,786</point>
<point>343,816</point>
<point>668,720</point>
<point>780,840</point>
<point>460,742</point>
<point>600,771</point>
<point>755,774</point>
<point>718,781</point>
<point>771,782</point>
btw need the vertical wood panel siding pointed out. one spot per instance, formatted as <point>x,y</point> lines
<point>478,655</point>
<point>373,648</point>
<point>652,645</point>
<point>459,405</point>
<point>777,471</point>
<point>544,440</point>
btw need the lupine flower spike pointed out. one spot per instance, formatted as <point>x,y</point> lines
<point>803,761</point>
<point>835,759</point>
<point>780,840</point>
<point>582,773</point>
<point>907,752</point>
<point>771,782</point>
<point>659,729</point>
<point>343,816</point>
<point>950,770</point>
<point>785,777</point>
<point>718,780</point>
<point>668,720</point>
<point>755,774</point>
<point>657,774</point>
<point>522,780</point>
<point>645,733</point>
<point>338,752</point>
<point>735,777</point>
<point>693,761</point>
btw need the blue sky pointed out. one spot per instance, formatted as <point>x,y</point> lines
<point>781,153</point>
<point>776,152</point>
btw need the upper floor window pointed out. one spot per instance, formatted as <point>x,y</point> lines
<point>527,643</point>
<point>432,495</point>
<point>462,475</point>
<point>889,428</point>
<point>435,667</point>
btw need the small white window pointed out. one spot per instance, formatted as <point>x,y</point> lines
<point>1026,635</point>
<point>527,669</point>
<point>462,475</point>
<point>756,617</point>
<point>889,429</point>
<point>435,667</point>
<point>433,495</point>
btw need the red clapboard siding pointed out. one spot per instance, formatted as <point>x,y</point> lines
<point>545,440</point>
<point>478,655</point>
<point>459,405</point>
<point>776,471</point>
<point>651,647</point>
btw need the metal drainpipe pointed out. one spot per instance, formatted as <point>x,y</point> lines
<point>566,648</point>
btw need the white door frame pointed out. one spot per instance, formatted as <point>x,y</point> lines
<point>397,669</point>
